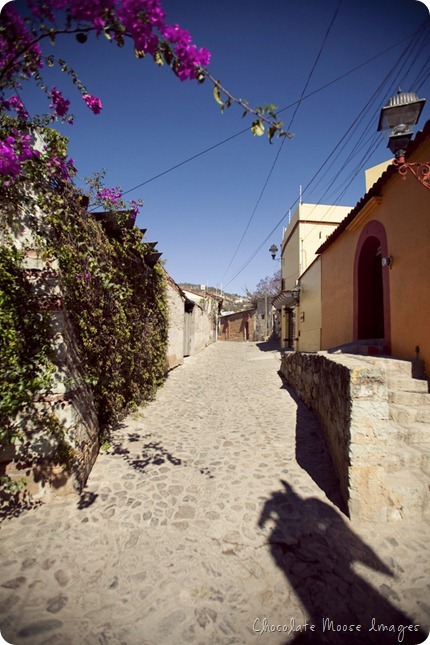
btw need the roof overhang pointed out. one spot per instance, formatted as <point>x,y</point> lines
<point>284,299</point>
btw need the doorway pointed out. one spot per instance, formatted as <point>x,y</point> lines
<point>370,291</point>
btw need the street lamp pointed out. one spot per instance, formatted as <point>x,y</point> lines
<point>398,118</point>
<point>295,292</point>
<point>273,251</point>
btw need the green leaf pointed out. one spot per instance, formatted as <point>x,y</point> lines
<point>158,58</point>
<point>217,96</point>
<point>257,128</point>
<point>167,53</point>
<point>272,131</point>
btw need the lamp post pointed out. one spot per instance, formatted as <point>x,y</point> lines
<point>273,251</point>
<point>295,292</point>
<point>398,118</point>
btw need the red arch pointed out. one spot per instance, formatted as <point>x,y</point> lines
<point>377,230</point>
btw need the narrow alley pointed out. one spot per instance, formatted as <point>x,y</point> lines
<point>213,518</point>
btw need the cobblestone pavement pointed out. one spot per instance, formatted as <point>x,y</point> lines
<point>213,519</point>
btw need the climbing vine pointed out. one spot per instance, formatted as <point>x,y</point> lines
<point>115,302</point>
<point>25,343</point>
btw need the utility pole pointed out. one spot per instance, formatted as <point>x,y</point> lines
<point>266,314</point>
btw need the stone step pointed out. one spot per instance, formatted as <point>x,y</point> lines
<point>396,366</point>
<point>406,414</point>
<point>414,399</point>
<point>408,495</point>
<point>407,384</point>
<point>415,457</point>
<point>418,433</point>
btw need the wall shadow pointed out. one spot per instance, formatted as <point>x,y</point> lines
<point>312,453</point>
<point>315,548</point>
<point>271,345</point>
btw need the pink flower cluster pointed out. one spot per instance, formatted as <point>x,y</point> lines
<point>93,12</point>
<point>60,168</point>
<point>111,195</point>
<point>59,103</point>
<point>134,208</point>
<point>14,39</point>
<point>21,56</point>
<point>15,104</point>
<point>141,17</point>
<point>93,103</point>
<point>47,8</point>
<point>189,58</point>
<point>15,150</point>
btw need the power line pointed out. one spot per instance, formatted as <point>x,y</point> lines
<point>254,209</point>
<point>287,107</point>
<point>368,154</point>
<point>315,64</point>
<point>288,129</point>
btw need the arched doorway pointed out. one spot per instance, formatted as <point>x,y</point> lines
<point>371,286</point>
<point>370,322</point>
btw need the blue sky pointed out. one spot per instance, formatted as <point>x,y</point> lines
<point>263,53</point>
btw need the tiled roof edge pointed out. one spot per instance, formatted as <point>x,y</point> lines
<point>374,191</point>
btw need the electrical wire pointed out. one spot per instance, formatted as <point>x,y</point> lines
<point>365,157</point>
<point>288,129</point>
<point>287,107</point>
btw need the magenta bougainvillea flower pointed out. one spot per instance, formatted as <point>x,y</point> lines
<point>93,103</point>
<point>16,35</point>
<point>93,12</point>
<point>109,194</point>
<point>59,103</point>
<point>15,150</point>
<point>15,104</point>
<point>21,58</point>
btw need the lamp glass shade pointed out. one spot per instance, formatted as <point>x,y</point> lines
<point>399,142</point>
<point>403,109</point>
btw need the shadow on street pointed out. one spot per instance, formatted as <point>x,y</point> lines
<point>312,453</point>
<point>316,549</point>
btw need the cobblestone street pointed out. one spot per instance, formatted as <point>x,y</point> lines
<point>214,518</point>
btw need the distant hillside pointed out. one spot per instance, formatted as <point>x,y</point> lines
<point>231,301</point>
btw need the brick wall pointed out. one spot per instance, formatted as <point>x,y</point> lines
<point>239,326</point>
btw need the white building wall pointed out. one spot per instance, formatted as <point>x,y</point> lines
<point>175,347</point>
<point>203,324</point>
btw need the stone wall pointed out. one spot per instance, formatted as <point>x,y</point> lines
<point>350,400</point>
<point>203,325</point>
<point>68,399</point>
<point>175,347</point>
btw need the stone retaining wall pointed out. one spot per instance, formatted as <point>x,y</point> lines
<point>350,400</point>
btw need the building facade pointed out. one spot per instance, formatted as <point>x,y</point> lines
<point>238,326</point>
<point>299,301</point>
<point>375,267</point>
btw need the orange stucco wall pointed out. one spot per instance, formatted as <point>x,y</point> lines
<point>404,211</point>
